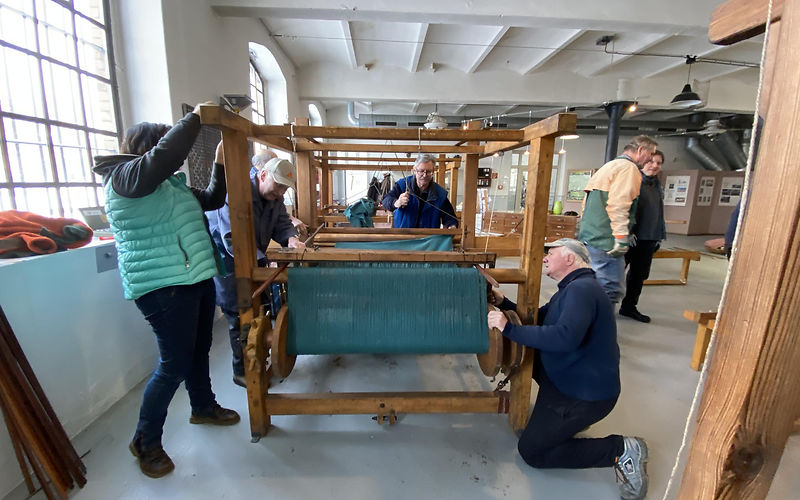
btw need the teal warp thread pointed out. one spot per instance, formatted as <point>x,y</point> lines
<point>434,243</point>
<point>344,310</point>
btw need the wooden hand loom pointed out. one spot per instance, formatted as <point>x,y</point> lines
<point>472,144</point>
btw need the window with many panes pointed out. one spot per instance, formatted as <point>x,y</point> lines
<point>57,104</point>
<point>257,95</point>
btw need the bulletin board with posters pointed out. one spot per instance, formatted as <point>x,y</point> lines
<point>576,183</point>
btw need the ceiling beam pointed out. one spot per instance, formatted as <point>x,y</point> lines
<point>417,48</point>
<point>597,16</point>
<point>501,31</point>
<point>348,40</point>
<point>650,40</point>
<point>537,62</point>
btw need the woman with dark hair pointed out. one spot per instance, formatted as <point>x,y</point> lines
<point>167,262</point>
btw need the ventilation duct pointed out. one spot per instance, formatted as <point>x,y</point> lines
<point>703,156</point>
<point>351,114</point>
<point>727,145</point>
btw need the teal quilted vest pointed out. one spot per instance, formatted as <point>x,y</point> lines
<point>161,238</point>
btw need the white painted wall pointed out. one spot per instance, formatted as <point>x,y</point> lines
<point>141,61</point>
<point>87,345</point>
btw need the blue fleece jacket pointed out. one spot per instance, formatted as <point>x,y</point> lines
<point>435,211</point>
<point>576,338</point>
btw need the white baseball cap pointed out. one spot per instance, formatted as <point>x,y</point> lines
<point>282,171</point>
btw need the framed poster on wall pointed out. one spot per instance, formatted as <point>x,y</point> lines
<point>675,190</point>
<point>576,183</point>
<point>730,191</point>
<point>705,191</point>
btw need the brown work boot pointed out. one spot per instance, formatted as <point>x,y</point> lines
<point>217,416</point>
<point>154,462</point>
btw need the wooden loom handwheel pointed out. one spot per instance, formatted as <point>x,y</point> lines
<point>491,361</point>
<point>281,360</point>
<point>512,352</point>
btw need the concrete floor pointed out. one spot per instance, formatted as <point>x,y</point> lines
<point>423,456</point>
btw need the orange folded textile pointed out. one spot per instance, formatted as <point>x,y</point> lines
<point>27,233</point>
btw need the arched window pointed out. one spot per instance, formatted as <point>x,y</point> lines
<point>314,116</point>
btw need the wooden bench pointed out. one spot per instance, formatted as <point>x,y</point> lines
<point>705,325</point>
<point>678,253</point>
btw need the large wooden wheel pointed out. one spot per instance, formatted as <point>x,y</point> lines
<point>492,360</point>
<point>281,360</point>
<point>512,352</point>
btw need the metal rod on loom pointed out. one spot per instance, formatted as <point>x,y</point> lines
<point>269,280</point>
<point>486,276</point>
<point>265,284</point>
<point>314,233</point>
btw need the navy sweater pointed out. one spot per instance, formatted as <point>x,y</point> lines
<point>576,339</point>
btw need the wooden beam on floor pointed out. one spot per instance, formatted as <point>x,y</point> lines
<point>354,403</point>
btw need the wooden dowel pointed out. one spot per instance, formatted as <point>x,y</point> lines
<point>31,436</point>
<point>61,435</point>
<point>15,440</point>
<point>57,443</point>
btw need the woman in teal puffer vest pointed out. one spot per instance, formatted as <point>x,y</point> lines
<point>166,260</point>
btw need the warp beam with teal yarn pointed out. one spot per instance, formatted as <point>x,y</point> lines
<point>428,309</point>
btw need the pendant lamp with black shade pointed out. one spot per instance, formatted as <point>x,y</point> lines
<point>687,98</point>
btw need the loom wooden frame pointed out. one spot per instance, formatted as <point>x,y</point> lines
<point>751,397</point>
<point>471,143</point>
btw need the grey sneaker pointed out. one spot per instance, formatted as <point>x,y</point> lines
<point>631,469</point>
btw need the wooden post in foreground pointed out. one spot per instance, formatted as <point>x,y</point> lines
<point>752,395</point>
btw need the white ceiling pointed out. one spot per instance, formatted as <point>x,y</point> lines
<point>494,56</point>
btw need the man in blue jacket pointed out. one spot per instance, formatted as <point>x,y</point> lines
<point>417,201</point>
<point>270,177</point>
<point>577,369</point>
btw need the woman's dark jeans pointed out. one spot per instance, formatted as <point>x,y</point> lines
<point>182,318</point>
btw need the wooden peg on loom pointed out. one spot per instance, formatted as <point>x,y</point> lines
<point>274,275</point>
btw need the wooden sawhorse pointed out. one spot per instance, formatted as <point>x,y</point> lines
<point>678,253</point>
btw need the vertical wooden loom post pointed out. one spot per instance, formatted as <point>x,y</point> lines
<point>454,181</point>
<point>240,201</point>
<point>752,397</point>
<point>441,169</point>
<point>306,184</point>
<point>324,184</point>
<point>470,205</point>
<point>540,165</point>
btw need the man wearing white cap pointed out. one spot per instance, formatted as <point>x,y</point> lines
<point>270,177</point>
<point>577,368</point>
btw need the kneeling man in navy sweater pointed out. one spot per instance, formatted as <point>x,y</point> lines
<point>577,369</point>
